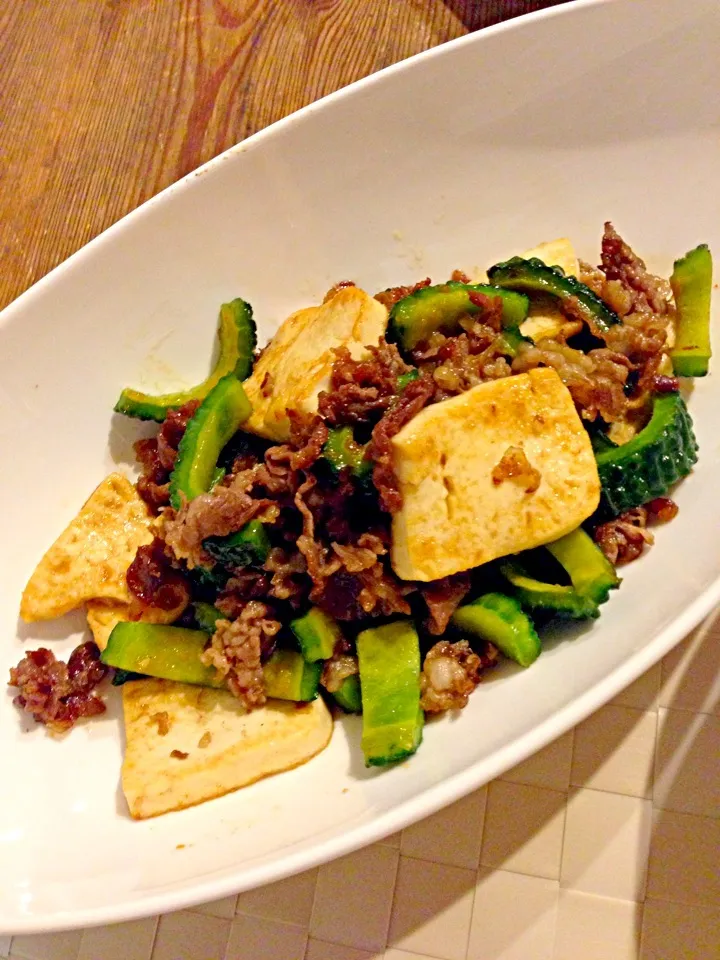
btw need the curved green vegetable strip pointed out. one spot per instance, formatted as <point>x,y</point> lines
<point>534,276</point>
<point>340,450</point>
<point>213,424</point>
<point>513,340</point>
<point>562,601</point>
<point>415,317</point>
<point>652,462</point>
<point>501,620</point>
<point>238,339</point>
<point>125,676</point>
<point>691,282</point>
<point>155,650</point>
<point>317,633</point>
<point>207,615</point>
<point>389,661</point>
<point>250,545</point>
<point>173,653</point>
<point>590,571</point>
<point>405,378</point>
<point>289,677</point>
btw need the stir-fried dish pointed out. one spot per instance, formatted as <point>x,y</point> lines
<point>366,515</point>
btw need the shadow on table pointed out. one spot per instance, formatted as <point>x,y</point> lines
<point>475,14</point>
<point>682,907</point>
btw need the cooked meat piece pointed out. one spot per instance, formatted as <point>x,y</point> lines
<point>619,262</point>
<point>237,649</point>
<point>623,539</point>
<point>450,673</point>
<point>362,389</point>
<point>662,510</point>
<point>443,597</point>
<point>157,456</point>
<point>57,693</point>
<point>153,579</point>
<point>338,668</point>
<point>289,580</point>
<point>392,295</point>
<point>514,465</point>
<point>223,510</point>
<point>596,380</point>
<point>414,397</point>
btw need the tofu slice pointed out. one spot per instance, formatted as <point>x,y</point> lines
<point>544,318</point>
<point>296,365</point>
<point>455,515</point>
<point>91,556</point>
<point>556,253</point>
<point>186,744</point>
<point>104,615</point>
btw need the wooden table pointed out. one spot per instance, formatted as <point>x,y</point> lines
<point>103,103</point>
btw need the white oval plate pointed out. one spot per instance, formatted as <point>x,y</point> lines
<point>463,155</point>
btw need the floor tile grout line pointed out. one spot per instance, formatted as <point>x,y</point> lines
<point>564,829</point>
<point>520,873</point>
<point>621,793</point>
<point>574,787</point>
<point>682,903</point>
<point>155,935</point>
<point>612,793</point>
<point>227,940</point>
<point>685,813</point>
<point>282,923</point>
<point>655,770</point>
<point>442,863</point>
<point>573,749</point>
<point>394,893</point>
<point>312,902</point>
<point>692,710</point>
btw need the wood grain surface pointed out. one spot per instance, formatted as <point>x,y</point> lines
<point>105,102</point>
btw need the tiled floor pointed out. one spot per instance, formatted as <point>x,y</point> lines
<point>605,846</point>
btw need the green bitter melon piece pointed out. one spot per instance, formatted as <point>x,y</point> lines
<point>534,276</point>
<point>238,339</point>
<point>654,460</point>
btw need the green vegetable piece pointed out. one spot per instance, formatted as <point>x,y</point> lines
<point>652,462</point>
<point>317,634</point>
<point>340,450</point>
<point>213,424</point>
<point>289,677</point>
<point>691,282</point>
<point>405,378</point>
<point>348,695</point>
<point>534,276</point>
<point>218,474</point>
<point>415,317</point>
<point>250,545</point>
<point>512,340</point>
<point>590,571</point>
<point>207,615</point>
<point>209,580</point>
<point>501,620</point>
<point>173,653</point>
<point>601,441</point>
<point>562,601</point>
<point>169,653</point>
<point>238,338</point>
<point>121,677</point>
<point>389,661</point>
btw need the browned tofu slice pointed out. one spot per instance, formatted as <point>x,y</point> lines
<point>501,468</point>
<point>296,365</point>
<point>186,744</point>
